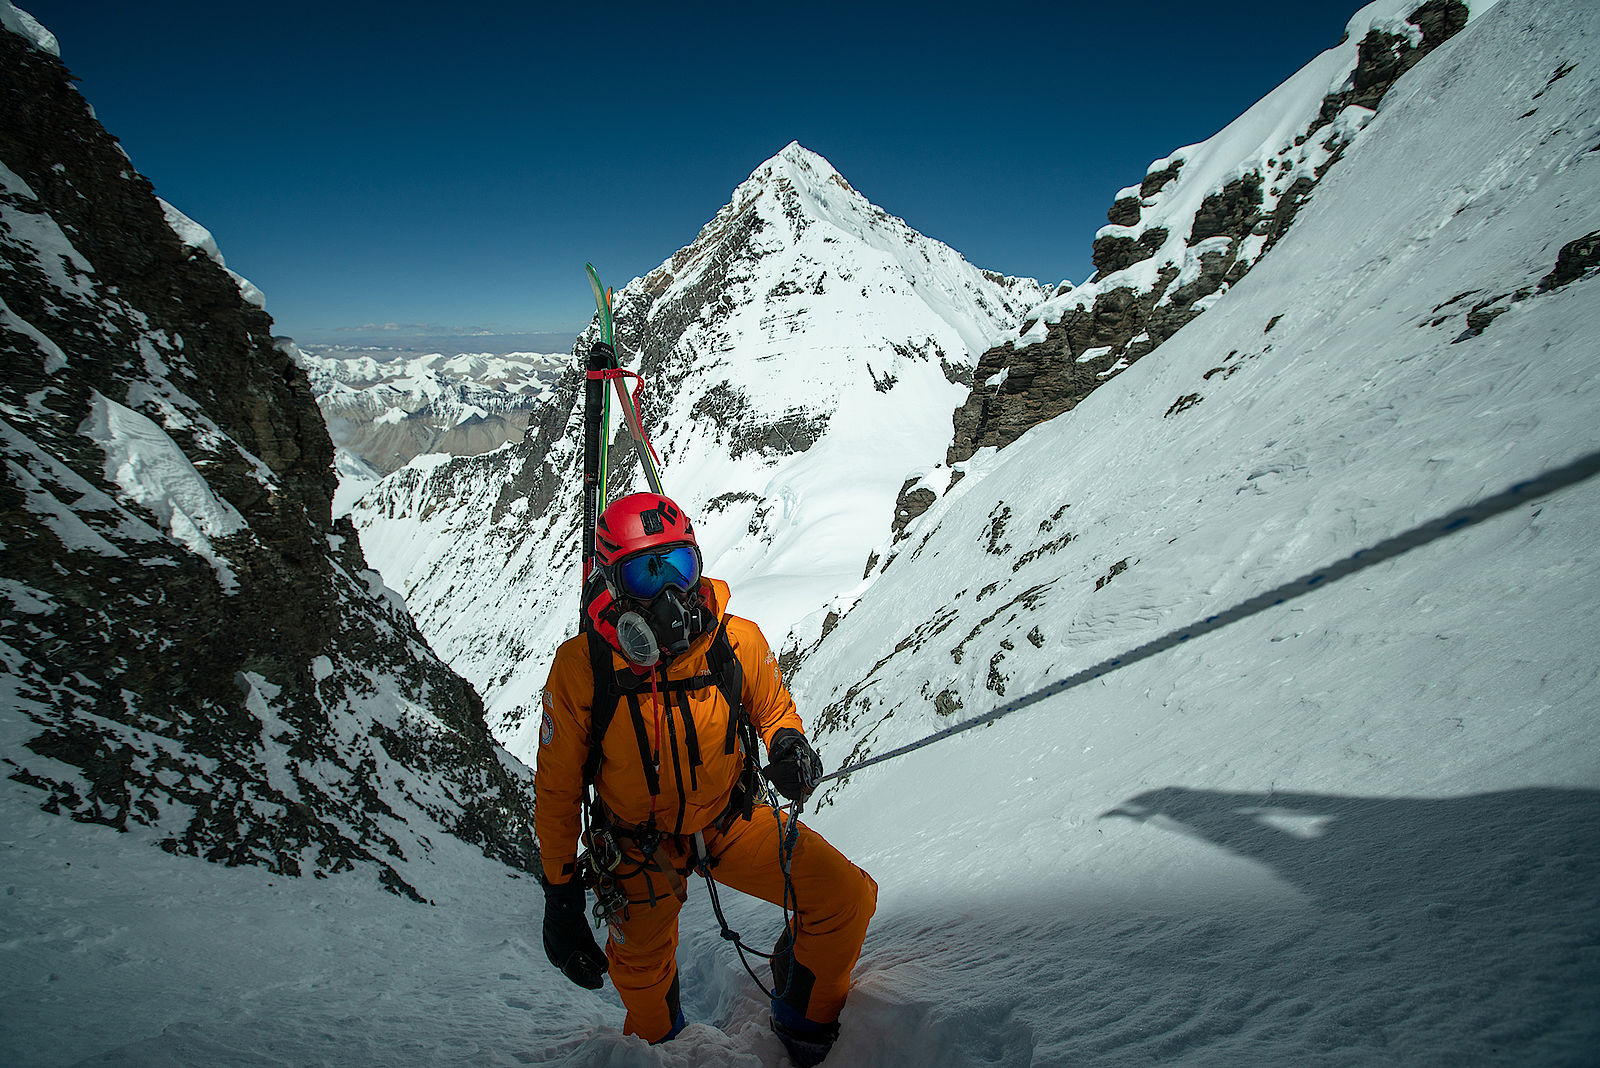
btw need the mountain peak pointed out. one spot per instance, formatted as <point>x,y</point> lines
<point>796,166</point>
<point>797,213</point>
<point>795,156</point>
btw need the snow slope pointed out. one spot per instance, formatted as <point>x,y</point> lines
<point>1358,828</point>
<point>1362,827</point>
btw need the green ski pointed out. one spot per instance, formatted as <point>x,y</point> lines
<point>630,411</point>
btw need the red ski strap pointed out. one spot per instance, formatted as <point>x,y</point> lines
<point>612,374</point>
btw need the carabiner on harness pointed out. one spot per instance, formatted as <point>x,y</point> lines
<point>604,852</point>
<point>610,902</point>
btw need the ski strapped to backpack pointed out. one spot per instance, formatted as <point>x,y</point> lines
<point>596,418</point>
<point>602,368</point>
<point>600,867</point>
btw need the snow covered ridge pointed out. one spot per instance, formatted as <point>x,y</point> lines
<point>1201,218</point>
<point>27,27</point>
<point>805,333</point>
<point>797,189</point>
<point>191,651</point>
<point>198,237</point>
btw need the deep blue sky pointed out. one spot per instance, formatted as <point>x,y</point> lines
<point>455,164</point>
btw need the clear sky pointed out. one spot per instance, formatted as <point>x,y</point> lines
<point>448,167</point>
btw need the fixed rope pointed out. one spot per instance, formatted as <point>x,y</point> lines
<point>1559,478</point>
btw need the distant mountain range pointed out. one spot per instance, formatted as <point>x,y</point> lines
<point>386,411</point>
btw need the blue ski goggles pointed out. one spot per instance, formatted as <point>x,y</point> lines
<point>646,574</point>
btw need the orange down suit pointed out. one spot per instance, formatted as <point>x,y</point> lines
<point>695,782</point>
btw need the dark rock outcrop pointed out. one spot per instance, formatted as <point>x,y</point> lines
<point>1157,180</point>
<point>1384,57</point>
<point>1113,253</point>
<point>1575,259</point>
<point>1124,212</point>
<point>1094,342</point>
<point>193,647</point>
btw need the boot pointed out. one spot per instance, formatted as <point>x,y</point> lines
<point>807,1041</point>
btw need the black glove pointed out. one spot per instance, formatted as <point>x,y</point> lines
<point>568,941</point>
<point>795,769</point>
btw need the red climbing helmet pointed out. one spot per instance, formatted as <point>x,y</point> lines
<point>643,543</point>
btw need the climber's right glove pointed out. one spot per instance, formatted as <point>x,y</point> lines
<point>568,941</point>
<point>795,769</point>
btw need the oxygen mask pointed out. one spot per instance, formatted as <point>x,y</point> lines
<point>660,629</point>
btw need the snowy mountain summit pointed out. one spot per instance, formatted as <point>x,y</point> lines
<point>794,206</point>
<point>803,334</point>
<point>799,295</point>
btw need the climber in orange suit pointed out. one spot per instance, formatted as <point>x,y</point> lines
<point>657,672</point>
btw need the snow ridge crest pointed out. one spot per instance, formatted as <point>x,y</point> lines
<point>1200,219</point>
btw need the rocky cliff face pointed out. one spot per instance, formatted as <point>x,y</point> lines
<point>193,651</point>
<point>1199,220</point>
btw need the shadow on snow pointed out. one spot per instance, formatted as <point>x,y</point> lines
<point>1434,931</point>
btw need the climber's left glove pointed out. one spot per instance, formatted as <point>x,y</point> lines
<point>795,769</point>
<point>568,942</point>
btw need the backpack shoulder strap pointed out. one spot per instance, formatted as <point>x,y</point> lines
<point>604,705</point>
<point>724,669</point>
<point>729,675</point>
